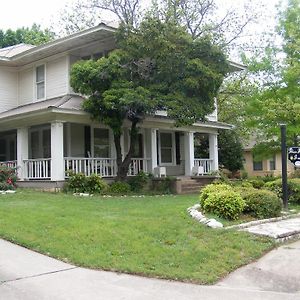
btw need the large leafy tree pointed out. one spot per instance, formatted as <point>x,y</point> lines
<point>279,101</point>
<point>33,35</point>
<point>156,66</point>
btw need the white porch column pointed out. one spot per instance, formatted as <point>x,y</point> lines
<point>189,152</point>
<point>57,151</point>
<point>213,151</point>
<point>153,149</point>
<point>22,151</point>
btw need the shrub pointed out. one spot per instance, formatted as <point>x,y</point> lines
<point>257,183</point>
<point>224,203</point>
<point>262,203</point>
<point>293,188</point>
<point>8,178</point>
<point>119,187</point>
<point>212,189</point>
<point>163,185</point>
<point>77,182</point>
<point>138,183</point>
<point>95,184</point>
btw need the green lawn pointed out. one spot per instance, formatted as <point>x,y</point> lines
<point>151,236</point>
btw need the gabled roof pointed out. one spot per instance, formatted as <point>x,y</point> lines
<point>27,54</point>
<point>22,54</point>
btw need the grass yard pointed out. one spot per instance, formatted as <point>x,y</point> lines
<point>151,236</point>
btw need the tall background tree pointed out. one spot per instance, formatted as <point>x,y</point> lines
<point>277,100</point>
<point>157,65</point>
<point>33,35</point>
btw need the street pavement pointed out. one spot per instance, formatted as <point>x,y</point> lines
<point>27,275</point>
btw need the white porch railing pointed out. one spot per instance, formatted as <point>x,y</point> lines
<point>104,167</point>
<point>9,163</point>
<point>205,163</point>
<point>137,165</point>
<point>37,168</point>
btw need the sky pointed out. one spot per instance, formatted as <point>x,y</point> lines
<point>18,13</point>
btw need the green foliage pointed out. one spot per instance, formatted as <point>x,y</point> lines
<point>257,183</point>
<point>156,66</point>
<point>212,189</point>
<point>79,183</point>
<point>138,183</point>
<point>33,36</point>
<point>226,204</point>
<point>8,178</point>
<point>119,187</point>
<point>95,184</point>
<point>262,203</point>
<point>293,189</point>
<point>76,182</point>
<point>163,185</point>
<point>230,150</point>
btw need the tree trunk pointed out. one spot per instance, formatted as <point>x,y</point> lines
<point>123,164</point>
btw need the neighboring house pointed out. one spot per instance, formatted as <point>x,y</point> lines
<point>270,166</point>
<point>45,132</point>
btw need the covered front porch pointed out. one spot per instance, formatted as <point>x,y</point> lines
<point>49,151</point>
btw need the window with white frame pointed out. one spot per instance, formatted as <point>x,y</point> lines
<point>166,148</point>
<point>40,82</point>
<point>101,142</point>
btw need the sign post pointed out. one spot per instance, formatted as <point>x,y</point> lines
<point>284,166</point>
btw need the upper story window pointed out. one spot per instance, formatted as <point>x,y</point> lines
<point>40,81</point>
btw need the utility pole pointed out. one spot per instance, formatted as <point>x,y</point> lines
<point>284,166</point>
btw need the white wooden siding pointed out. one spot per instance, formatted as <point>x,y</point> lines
<point>56,77</point>
<point>26,88</point>
<point>8,89</point>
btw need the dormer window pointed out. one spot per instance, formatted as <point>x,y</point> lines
<point>40,82</point>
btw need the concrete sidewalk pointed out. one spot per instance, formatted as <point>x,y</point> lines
<point>27,275</point>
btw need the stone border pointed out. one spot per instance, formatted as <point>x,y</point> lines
<point>197,215</point>
<point>7,192</point>
<point>213,223</point>
<point>258,222</point>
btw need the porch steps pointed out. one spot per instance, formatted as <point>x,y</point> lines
<point>194,185</point>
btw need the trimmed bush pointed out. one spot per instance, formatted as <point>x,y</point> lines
<point>95,184</point>
<point>257,183</point>
<point>293,189</point>
<point>119,187</point>
<point>138,183</point>
<point>225,203</point>
<point>79,183</point>
<point>212,189</point>
<point>8,178</point>
<point>76,182</point>
<point>262,203</point>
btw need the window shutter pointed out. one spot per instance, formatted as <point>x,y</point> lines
<point>177,147</point>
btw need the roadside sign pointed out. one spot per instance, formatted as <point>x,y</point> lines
<point>294,155</point>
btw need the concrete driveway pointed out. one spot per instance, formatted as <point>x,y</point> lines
<point>27,275</point>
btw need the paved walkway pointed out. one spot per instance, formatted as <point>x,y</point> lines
<point>279,230</point>
<point>27,275</point>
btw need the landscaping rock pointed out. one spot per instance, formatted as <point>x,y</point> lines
<point>214,223</point>
<point>197,215</point>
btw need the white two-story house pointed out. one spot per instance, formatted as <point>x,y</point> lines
<point>45,132</point>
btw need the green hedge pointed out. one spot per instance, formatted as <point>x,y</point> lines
<point>293,189</point>
<point>262,203</point>
<point>226,204</point>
